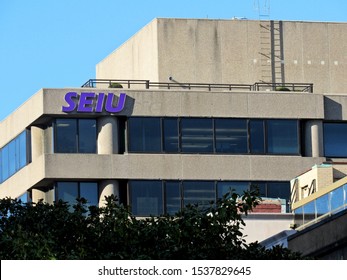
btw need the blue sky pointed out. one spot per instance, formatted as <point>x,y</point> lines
<point>57,43</point>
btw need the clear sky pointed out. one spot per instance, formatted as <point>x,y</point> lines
<point>57,43</point>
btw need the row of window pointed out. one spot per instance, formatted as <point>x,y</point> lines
<point>212,135</point>
<point>155,197</point>
<point>13,156</point>
<point>200,135</point>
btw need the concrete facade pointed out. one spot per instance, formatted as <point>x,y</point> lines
<point>230,51</point>
<point>197,51</point>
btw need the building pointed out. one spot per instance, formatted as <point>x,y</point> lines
<point>183,111</point>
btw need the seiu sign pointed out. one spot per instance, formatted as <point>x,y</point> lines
<point>90,102</point>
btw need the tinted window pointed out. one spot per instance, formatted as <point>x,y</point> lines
<point>198,192</point>
<point>66,136</point>
<point>67,191</point>
<point>89,191</point>
<point>87,136</point>
<point>146,198</point>
<point>172,197</point>
<point>197,135</point>
<point>13,156</point>
<point>227,187</point>
<point>257,144</point>
<point>282,137</point>
<point>144,135</point>
<point>231,136</point>
<point>75,136</point>
<point>170,133</point>
<point>335,140</point>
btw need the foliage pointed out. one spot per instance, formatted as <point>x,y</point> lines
<point>44,231</point>
<point>115,85</point>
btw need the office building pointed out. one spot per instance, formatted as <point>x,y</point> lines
<point>183,111</point>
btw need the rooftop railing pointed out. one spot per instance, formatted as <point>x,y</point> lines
<point>147,84</point>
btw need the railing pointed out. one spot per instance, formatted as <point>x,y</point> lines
<point>147,84</point>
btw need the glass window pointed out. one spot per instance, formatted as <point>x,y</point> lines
<point>322,205</point>
<point>22,150</point>
<point>170,133</point>
<point>89,191</point>
<point>87,136</point>
<point>261,187</point>
<point>231,136</point>
<point>67,191</point>
<point>257,139</point>
<point>66,136</point>
<point>282,137</point>
<point>199,192</point>
<point>299,216</point>
<point>197,135</point>
<point>309,211</point>
<point>237,187</point>
<point>335,136</point>
<point>144,135</point>
<point>337,198</point>
<point>172,197</point>
<point>4,162</point>
<point>146,198</point>
<point>12,157</point>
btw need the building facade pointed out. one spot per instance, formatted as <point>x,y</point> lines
<point>201,112</point>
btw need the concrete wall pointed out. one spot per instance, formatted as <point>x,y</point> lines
<point>228,51</point>
<point>137,58</point>
<point>322,239</point>
<point>275,223</point>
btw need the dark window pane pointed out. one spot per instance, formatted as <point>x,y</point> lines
<point>257,145</point>
<point>144,135</point>
<point>89,191</point>
<point>197,135</point>
<point>87,136</point>
<point>198,192</point>
<point>282,137</point>
<point>67,191</point>
<point>170,129</point>
<point>278,190</point>
<point>146,198</point>
<point>335,136</point>
<point>173,197</point>
<point>227,187</point>
<point>66,136</point>
<point>231,136</point>
<point>260,187</point>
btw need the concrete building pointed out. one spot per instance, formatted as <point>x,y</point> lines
<point>183,111</point>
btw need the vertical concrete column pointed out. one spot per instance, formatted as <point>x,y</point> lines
<point>37,195</point>
<point>314,138</point>
<point>108,135</point>
<point>107,188</point>
<point>36,142</point>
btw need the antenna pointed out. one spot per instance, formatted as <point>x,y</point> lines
<point>263,8</point>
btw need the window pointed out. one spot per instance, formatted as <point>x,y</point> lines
<point>146,198</point>
<point>170,133</point>
<point>75,136</point>
<point>335,139</point>
<point>197,135</point>
<point>13,156</point>
<point>231,136</point>
<point>199,192</point>
<point>144,135</point>
<point>257,138</point>
<point>282,137</point>
<point>70,191</point>
<point>213,135</point>
<point>155,197</point>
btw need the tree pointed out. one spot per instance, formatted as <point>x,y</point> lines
<point>214,231</point>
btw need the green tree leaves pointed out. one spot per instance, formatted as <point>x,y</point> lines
<point>44,231</point>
